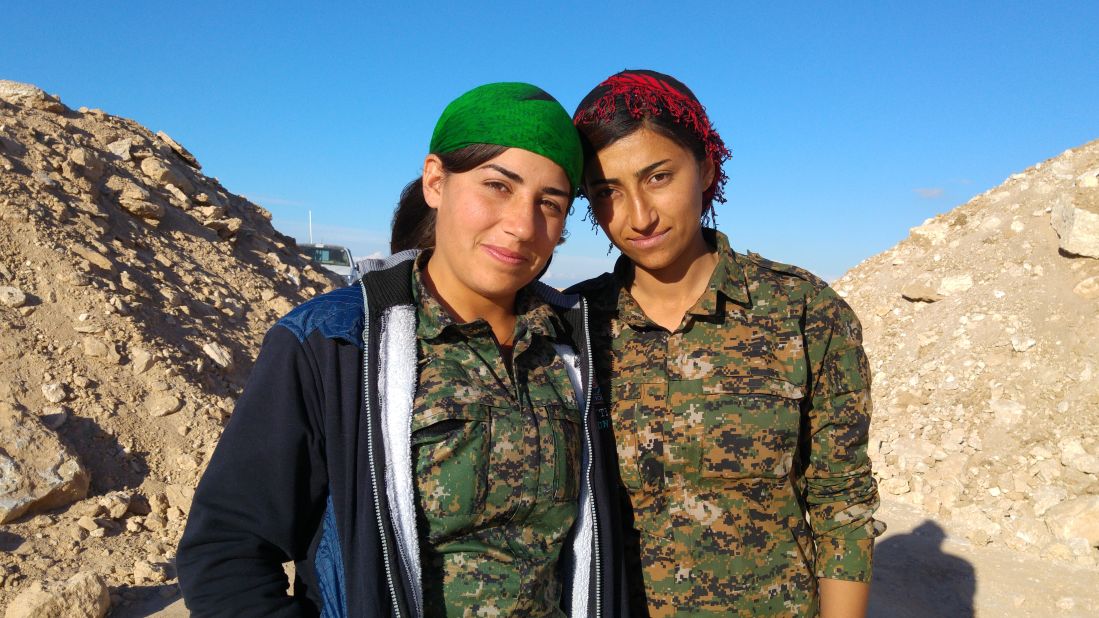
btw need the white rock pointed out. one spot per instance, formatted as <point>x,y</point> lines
<point>38,472</point>
<point>955,284</point>
<point>1021,344</point>
<point>141,360</point>
<point>121,148</point>
<point>1088,288</point>
<point>163,405</point>
<point>219,354</point>
<point>12,297</point>
<point>1077,227</point>
<point>28,95</point>
<point>84,595</point>
<point>1075,517</point>
<point>1007,412</point>
<point>1089,179</point>
<point>54,392</point>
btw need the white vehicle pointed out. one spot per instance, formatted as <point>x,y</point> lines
<point>334,258</point>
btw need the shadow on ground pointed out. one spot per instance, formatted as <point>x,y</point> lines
<point>913,577</point>
<point>141,601</point>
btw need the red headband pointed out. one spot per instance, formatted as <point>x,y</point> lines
<point>642,93</point>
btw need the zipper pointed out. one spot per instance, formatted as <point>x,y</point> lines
<point>386,558</point>
<point>591,463</point>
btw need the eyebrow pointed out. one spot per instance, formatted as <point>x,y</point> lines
<point>519,179</point>
<point>645,171</point>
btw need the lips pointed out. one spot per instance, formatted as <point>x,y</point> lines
<point>505,256</point>
<point>650,241</point>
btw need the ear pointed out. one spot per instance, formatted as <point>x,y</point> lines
<point>708,173</point>
<point>433,177</point>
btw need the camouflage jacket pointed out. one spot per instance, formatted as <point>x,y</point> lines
<point>741,439</point>
<point>496,461</point>
<point>316,467</point>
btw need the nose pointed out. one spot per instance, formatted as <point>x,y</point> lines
<point>520,219</point>
<point>642,216</point>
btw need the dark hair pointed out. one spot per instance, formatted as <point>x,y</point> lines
<point>636,99</point>
<point>413,220</point>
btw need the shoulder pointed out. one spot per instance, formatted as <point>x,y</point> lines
<point>793,275</point>
<point>337,314</point>
<point>778,284</point>
<point>593,286</point>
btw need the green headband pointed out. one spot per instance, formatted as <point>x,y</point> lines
<point>515,115</point>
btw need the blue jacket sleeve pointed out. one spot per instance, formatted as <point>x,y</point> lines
<point>262,496</point>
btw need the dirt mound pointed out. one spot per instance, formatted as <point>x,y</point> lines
<point>134,293</point>
<point>982,329</point>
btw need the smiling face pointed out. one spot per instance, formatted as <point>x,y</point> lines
<point>497,225</point>
<point>646,192</point>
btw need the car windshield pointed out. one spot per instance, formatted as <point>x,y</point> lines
<point>330,257</point>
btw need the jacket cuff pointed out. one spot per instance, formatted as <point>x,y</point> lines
<point>848,558</point>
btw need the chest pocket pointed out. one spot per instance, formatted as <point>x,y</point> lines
<point>450,448</point>
<point>564,426</point>
<point>751,425</point>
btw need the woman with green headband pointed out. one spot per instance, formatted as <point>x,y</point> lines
<point>427,441</point>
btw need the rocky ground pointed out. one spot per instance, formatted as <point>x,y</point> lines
<point>135,290</point>
<point>983,332</point>
<point>134,293</point>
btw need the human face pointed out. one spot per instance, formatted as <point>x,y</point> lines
<point>646,193</point>
<point>496,225</point>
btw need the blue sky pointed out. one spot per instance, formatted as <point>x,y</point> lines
<point>850,122</point>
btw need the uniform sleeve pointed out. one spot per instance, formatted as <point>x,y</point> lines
<point>839,488</point>
<point>262,495</point>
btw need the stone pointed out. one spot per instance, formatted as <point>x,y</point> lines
<point>94,257</point>
<point>179,496</point>
<point>1087,463</point>
<point>955,284</point>
<point>84,595</point>
<point>163,174</point>
<point>88,523</point>
<point>54,392</point>
<point>920,292</point>
<point>1077,227</point>
<point>182,152</point>
<point>27,95</point>
<point>140,360</point>
<point>143,209</point>
<point>147,572</point>
<point>90,165</point>
<point>94,347</point>
<point>219,354</point>
<point>116,504</point>
<point>1089,179</point>
<point>163,405</point>
<point>1022,344</point>
<point>1075,518</point>
<point>121,148</point>
<point>1088,288</point>
<point>37,471</point>
<point>1007,412</point>
<point>12,297</point>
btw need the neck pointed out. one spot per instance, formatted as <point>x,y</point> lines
<point>665,294</point>
<point>464,305</point>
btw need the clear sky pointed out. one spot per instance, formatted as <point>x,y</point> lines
<point>850,122</point>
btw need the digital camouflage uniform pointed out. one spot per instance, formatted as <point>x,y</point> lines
<point>496,462</point>
<point>741,438</point>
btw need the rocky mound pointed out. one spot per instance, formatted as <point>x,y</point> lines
<point>982,329</point>
<point>134,293</point>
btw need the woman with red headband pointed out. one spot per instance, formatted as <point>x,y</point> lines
<point>739,390</point>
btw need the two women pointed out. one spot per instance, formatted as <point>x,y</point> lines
<point>738,387</point>
<point>424,443</point>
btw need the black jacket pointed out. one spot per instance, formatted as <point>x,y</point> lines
<point>300,471</point>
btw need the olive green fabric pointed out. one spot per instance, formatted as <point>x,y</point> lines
<point>741,439</point>
<point>496,462</point>
<point>515,115</point>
